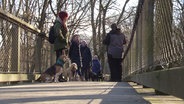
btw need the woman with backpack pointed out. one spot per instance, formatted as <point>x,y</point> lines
<point>61,37</point>
<point>61,33</point>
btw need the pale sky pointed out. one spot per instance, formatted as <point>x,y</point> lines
<point>130,3</point>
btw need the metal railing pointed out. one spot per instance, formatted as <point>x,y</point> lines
<point>157,37</point>
<point>22,50</point>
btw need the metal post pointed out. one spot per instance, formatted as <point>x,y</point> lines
<point>148,39</point>
<point>15,53</point>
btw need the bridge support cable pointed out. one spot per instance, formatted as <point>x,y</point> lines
<point>154,57</point>
<point>138,12</point>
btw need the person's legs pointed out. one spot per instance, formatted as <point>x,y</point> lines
<point>60,52</point>
<point>87,73</point>
<point>79,72</point>
<point>120,69</point>
<point>115,68</point>
<point>112,66</point>
<point>118,72</point>
<point>83,71</point>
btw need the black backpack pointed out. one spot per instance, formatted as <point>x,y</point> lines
<point>52,35</point>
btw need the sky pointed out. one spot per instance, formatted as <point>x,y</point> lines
<point>130,3</point>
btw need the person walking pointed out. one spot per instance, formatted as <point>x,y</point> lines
<point>115,40</point>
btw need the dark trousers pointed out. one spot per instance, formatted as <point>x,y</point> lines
<point>115,68</point>
<point>60,52</point>
<point>85,72</point>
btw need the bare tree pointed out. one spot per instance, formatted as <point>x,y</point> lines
<point>122,12</point>
<point>78,17</point>
<point>93,25</point>
<point>102,21</point>
<point>92,16</point>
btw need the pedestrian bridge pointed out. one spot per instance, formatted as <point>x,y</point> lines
<point>83,93</point>
<point>153,57</point>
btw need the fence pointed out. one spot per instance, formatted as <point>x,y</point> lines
<point>158,37</point>
<point>154,56</point>
<point>23,53</point>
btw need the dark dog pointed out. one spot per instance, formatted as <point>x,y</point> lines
<point>96,77</point>
<point>53,72</point>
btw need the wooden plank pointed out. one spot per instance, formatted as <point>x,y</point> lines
<point>167,81</point>
<point>17,77</point>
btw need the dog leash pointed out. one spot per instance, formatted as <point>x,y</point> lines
<point>80,55</point>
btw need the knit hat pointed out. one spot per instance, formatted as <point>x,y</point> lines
<point>84,43</point>
<point>62,15</point>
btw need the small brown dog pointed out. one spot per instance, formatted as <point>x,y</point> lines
<point>52,73</point>
<point>70,72</point>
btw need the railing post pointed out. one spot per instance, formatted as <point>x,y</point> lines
<point>38,54</point>
<point>52,55</point>
<point>139,44</point>
<point>147,31</point>
<point>15,53</point>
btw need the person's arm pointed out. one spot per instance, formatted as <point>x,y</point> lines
<point>99,66</point>
<point>90,56</point>
<point>124,41</point>
<point>70,51</point>
<point>106,41</point>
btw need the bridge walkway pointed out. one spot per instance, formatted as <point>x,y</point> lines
<point>83,93</point>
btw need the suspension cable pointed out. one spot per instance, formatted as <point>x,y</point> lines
<point>138,12</point>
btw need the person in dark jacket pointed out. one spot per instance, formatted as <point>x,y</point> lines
<point>86,60</point>
<point>115,40</point>
<point>96,68</point>
<point>75,52</point>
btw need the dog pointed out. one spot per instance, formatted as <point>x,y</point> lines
<point>96,77</point>
<point>53,72</point>
<point>70,73</point>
